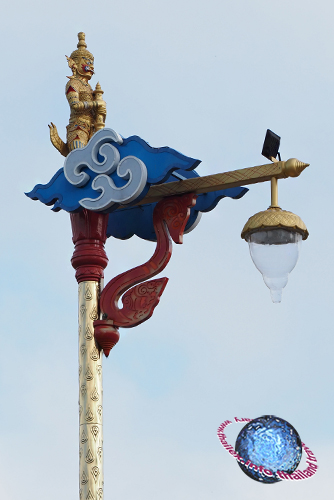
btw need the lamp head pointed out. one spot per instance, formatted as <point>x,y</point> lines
<point>274,238</point>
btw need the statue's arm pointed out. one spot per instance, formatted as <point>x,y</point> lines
<point>73,99</point>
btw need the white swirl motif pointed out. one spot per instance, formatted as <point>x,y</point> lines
<point>103,158</point>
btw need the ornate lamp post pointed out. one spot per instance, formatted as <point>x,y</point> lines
<point>118,187</point>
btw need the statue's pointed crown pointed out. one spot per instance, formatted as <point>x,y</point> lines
<point>82,48</point>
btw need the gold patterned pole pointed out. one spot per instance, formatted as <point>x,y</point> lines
<point>89,260</point>
<point>90,396</point>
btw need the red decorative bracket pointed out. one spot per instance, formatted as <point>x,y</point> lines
<point>140,297</point>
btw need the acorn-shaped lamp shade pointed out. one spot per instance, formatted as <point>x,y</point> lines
<point>274,237</point>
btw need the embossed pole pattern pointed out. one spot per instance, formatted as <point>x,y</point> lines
<point>89,260</point>
<point>90,396</point>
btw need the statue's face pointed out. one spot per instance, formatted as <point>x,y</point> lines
<point>85,67</point>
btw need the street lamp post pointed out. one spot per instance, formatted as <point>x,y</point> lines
<point>113,186</point>
<point>89,260</point>
<point>141,297</point>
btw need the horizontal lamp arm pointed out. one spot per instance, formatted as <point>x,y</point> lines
<point>235,178</point>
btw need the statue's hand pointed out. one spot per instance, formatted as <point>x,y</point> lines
<point>101,107</point>
<point>56,140</point>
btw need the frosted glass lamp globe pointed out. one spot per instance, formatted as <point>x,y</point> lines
<point>275,253</point>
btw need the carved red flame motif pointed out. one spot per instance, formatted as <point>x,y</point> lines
<point>170,217</point>
<point>140,297</point>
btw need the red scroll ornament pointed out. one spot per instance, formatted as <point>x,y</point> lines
<point>140,297</point>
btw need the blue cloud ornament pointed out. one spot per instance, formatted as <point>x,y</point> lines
<point>109,162</point>
<point>111,172</point>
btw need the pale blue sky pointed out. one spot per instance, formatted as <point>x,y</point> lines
<point>208,79</point>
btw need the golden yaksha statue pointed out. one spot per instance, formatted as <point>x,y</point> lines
<point>88,109</point>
